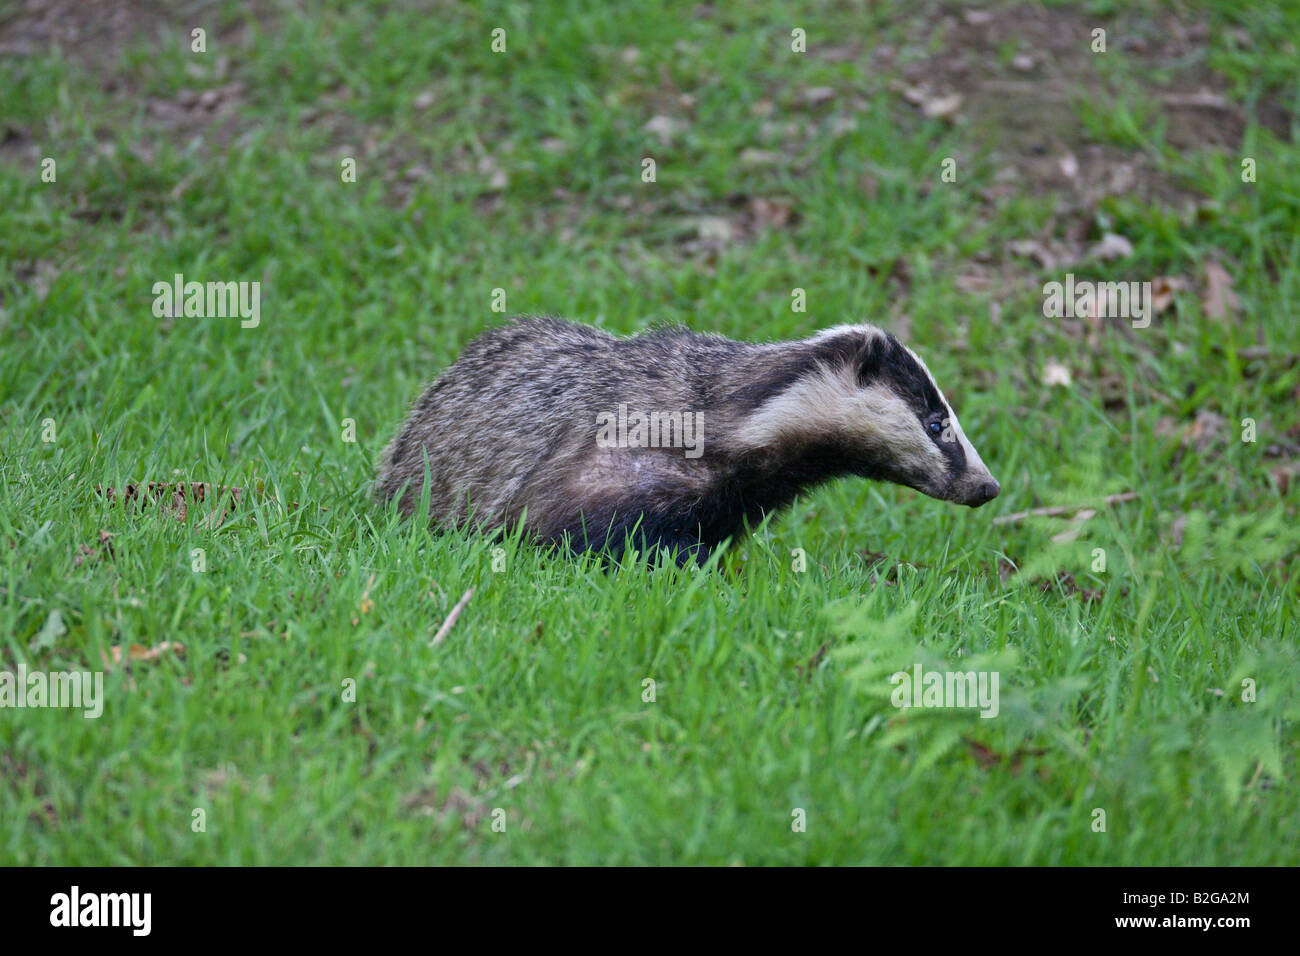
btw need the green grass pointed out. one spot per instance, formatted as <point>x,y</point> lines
<point>771,685</point>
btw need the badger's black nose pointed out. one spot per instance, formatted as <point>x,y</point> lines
<point>985,493</point>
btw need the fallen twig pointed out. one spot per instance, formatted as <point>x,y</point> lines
<point>1057,511</point>
<point>1201,100</point>
<point>451,618</point>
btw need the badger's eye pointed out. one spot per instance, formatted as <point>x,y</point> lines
<point>936,428</point>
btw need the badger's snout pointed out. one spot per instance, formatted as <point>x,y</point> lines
<point>982,493</point>
<point>986,493</point>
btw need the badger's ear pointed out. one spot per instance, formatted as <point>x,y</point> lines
<point>875,356</point>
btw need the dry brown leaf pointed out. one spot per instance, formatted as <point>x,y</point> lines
<point>367,605</point>
<point>1205,428</point>
<point>173,496</point>
<point>714,229</point>
<point>771,212</point>
<point>1054,373</point>
<point>987,758</point>
<point>817,95</point>
<point>497,179</point>
<point>942,107</point>
<point>138,652</point>
<point>1112,246</point>
<point>665,127</point>
<point>1066,582</point>
<point>971,283</point>
<point>934,107</point>
<point>1036,250</point>
<point>1283,475</point>
<point>840,125</point>
<point>759,157</point>
<point>1218,299</point>
<point>1176,529</point>
<point>1162,291</point>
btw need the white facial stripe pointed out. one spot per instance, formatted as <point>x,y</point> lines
<point>869,330</point>
<point>805,409</point>
<point>887,421</point>
<point>831,404</point>
<point>973,460</point>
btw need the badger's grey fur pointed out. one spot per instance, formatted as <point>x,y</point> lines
<point>510,431</point>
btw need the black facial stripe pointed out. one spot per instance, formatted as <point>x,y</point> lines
<point>952,450</point>
<point>896,366</point>
<point>834,352</point>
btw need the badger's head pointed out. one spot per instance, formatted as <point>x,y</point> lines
<point>859,396</point>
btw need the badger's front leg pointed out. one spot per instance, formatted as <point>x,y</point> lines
<point>615,530</point>
<point>620,498</point>
<point>674,538</point>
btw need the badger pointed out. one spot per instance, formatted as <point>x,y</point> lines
<point>670,439</point>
